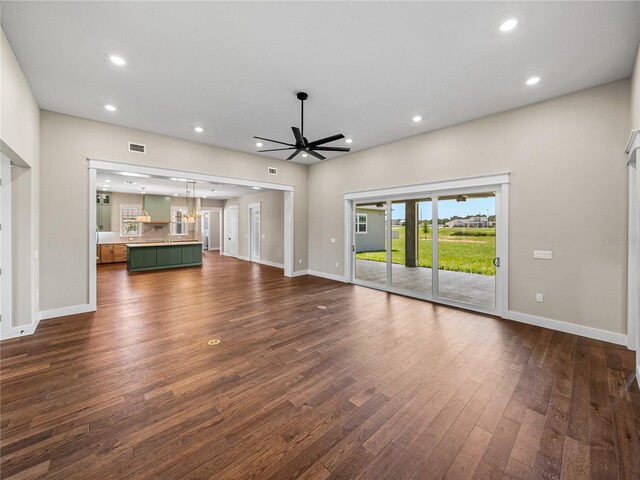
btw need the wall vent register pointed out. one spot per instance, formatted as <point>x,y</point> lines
<point>137,147</point>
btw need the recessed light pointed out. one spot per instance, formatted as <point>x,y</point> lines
<point>304,155</point>
<point>348,140</point>
<point>204,196</point>
<point>533,80</point>
<point>106,180</point>
<point>117,60</point>
<point>256,188</point>
<point>104,189</point>
<point>199,129</point>
<point>417,118</point>
<point>258,144</point>
<point>110,108</point>
<point>133,174</point>
<point>509,25</point>
<point>175,194</point>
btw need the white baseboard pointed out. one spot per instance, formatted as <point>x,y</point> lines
<point>262,262</point>
<point>330,276</point>
<point>22,330</point>
<point>64,311</point>
<point>566,327</point>
<point>300,273</point>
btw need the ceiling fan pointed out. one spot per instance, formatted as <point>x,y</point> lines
<point>302,145</point>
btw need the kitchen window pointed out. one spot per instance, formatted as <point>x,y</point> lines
<point>128,225</point>
<point>178,227</point>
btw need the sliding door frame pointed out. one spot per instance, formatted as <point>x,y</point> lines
<point>498,183</point>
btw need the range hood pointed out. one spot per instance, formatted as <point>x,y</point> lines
<point>157,209</point>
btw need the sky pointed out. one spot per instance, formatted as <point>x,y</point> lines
<point>449,208</point>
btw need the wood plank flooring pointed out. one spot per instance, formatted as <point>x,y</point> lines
<point>375,386</point>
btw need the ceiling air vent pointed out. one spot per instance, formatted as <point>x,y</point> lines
<point>137,147</point>
<point>272,170</point>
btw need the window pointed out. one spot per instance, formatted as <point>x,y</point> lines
<point>128,225</point>
<point>178,227</point>
<point>361,223</point>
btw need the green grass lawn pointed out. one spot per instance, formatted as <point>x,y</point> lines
<point>468,253</point>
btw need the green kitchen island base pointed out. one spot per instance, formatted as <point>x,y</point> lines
<point>157,256</point>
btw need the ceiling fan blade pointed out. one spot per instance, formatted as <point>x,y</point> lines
<point>326,140</point>
<point>294,154</point>
<point>332,149</point>
<point>317,155</point>
<point>277,149</point>
<point>274,141</point>
<point>298,135</point>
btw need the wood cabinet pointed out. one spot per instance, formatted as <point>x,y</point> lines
<point>112,253</point>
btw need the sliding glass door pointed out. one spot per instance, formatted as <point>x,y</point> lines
<point>439,246</point>
<point>411,242</point>
<point>467,248</point>
<point>370,245</point>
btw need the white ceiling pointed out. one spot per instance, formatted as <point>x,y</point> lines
<point>115,182</point>
<point>369,67</point>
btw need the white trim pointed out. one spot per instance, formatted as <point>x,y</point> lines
<point>289,214</point>
<point>110,165</point>
<point>22,330</point>
<point>566,327</point>
<point>481,181</point>
<point>6,251</point>
<point>266,263</point>
<point>64,311</point>
<point>300,273</point>
<point>349,240</point>
<point>93,240</point>
<point>330,276</point>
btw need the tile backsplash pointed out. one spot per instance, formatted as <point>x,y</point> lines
<point>150,233</point>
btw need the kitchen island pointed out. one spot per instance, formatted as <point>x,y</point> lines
<point>156,256</point>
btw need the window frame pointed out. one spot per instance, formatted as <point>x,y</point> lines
<point>173,225</point>
<point>359,223</point>
<point>123,207</point>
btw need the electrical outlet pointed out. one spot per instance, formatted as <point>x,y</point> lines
<point>539,297</point>
<point>333,240</point>
<point>337,264</point>
<point>35,254</point>
<point>543,254</point>
<point>300,260</point>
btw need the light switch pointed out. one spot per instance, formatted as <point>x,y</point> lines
<point>333,240</point>
<point>542,254</point>
<point>539,297</point>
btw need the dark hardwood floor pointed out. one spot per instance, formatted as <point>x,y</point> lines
<point>374,386</point>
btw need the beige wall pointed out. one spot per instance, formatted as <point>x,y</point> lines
<point>19,132</point>
<point>635,94</point>
<point>67,141</point>
<point>271,224</point>
<point>568,194</point>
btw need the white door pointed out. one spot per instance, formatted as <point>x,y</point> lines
<point>205,230</point>
<point>231,230</point>
<point>254,232</point>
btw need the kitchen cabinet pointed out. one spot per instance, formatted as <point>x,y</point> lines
<point>112,253</point>
<point>156,256</point>
<point>103,212</point>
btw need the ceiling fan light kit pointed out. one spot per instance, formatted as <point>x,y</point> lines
<point>302,145</point>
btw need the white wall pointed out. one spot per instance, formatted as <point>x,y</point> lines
<point>66,143</point>
<point>271,224</point>
<point>19,132</point>
<point>635,94</point>
<point>568,194</point>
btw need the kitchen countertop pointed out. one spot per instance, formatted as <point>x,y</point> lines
<point>162,244</point>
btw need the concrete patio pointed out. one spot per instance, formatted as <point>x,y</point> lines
<point>462,287</point>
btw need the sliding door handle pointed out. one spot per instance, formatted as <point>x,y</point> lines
<point>496,261</point>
